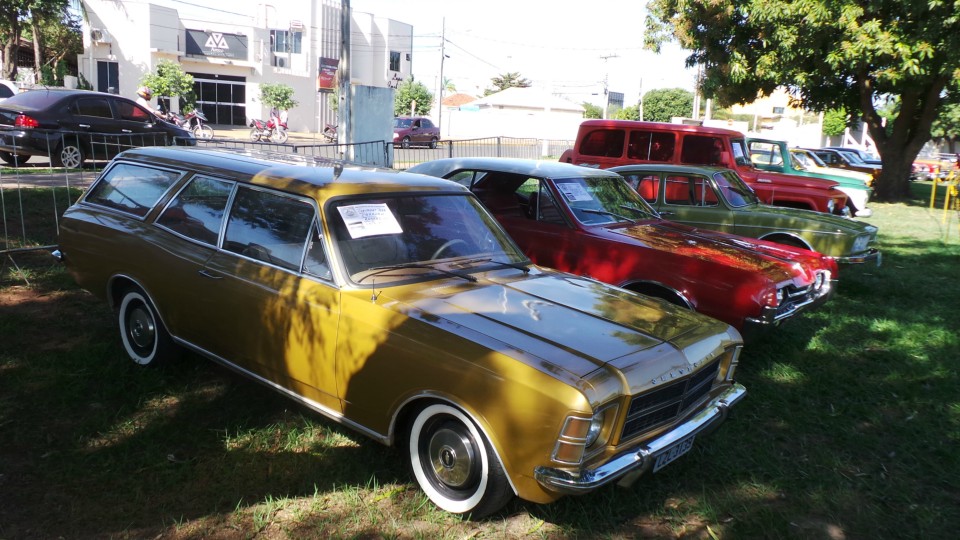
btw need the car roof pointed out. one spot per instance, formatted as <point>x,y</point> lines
<point>533,167</point>
<point>670,168</point>
<point>293,172</point>
<point>660,126</point>
<point>41,98</point>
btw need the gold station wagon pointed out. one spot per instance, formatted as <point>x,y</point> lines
<point>393,303</point>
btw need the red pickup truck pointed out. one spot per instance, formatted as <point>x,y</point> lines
<point>608,143</point>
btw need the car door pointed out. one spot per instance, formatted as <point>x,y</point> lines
<point>271,307</point>
<point>92,119</point>
<point>545,234</point>
<point>692,199</point>
<point>136,126</point>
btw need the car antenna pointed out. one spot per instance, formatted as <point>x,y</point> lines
<point>373,291</point>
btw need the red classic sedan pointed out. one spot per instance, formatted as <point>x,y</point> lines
<point>589,222</point>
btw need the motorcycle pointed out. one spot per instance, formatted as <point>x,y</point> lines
<point>330,133</point>
<point>273,130</point>
<point>193,121</point>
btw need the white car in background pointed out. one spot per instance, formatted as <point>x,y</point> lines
<point>7,89</point>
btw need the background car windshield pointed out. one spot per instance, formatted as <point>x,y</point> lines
<point>600,200</point>
<point>402,122</point>
<point>734,190</point>
<point>372,233</point>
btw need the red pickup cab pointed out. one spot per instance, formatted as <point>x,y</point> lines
<point>608,143</point>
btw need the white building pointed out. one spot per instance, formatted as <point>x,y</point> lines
<point>518,112</point>
<point>233,48</point>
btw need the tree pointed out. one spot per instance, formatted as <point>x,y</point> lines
<point>415,93</point>
<point>506,80</point>
<point>19,15</point>
<point>830,55</point>
<point>592,111</point>
<point>662,104</point>
<point>947,126</point>
<point>835,122</point>
<point>628,113</point>
<point>169,80</point>
<point>277,95</point>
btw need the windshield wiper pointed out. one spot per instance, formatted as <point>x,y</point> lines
<point>377,270</point>
<point>639,210</point>
<point>607,213</point>
<point>523,267</point>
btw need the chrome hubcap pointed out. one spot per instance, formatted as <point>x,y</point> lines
<point>452,457</point>
<point>141,328</point>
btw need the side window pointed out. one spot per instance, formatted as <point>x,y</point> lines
<point>426,123</point>
<point>640,145</point>
<point>702,150</point>
<point>269,227</point>
<point>679,191</point>
<point>93,107</point>
<point>704,194</point>
<point>542,207</point>
<point>197,211</point>
<point>762,153</point>
<point>604,142</point>
<point>131,188</point>
<point>648,186</point>
<point>316,263</point>
<point>131,111</point>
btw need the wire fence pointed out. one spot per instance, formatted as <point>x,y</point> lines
<point>35,189</point>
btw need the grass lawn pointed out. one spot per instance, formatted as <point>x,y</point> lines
<point>851,429</point>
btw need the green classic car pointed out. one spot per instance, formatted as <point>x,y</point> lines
<point>394,304</point>
<point>716,198</point>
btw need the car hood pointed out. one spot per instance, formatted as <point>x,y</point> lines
<point>791,179</point>
<point>796,218</point>
<point>573,323</point>
<point>777,262</point>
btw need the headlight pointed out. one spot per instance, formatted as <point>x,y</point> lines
<point>596,424</point>
<point>580,433</point>
<point>860,244</point>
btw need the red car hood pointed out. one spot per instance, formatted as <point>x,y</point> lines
<point>778,262</point>
<point>783,179</point>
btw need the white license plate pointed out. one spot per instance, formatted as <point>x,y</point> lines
<point>670,454</point>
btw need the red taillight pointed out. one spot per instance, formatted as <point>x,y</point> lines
<point>24,121</point>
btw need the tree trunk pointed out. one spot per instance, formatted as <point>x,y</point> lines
<point>37,52</point>
<point>894,181</point>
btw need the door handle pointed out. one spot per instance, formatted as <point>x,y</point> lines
<point>207,274</point>
<point>85,126</point>
<point>126,131</point>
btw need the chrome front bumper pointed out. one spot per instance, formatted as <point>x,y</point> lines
<point>870,256</point>
<point>631,464</point>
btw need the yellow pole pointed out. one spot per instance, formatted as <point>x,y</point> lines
<point>933,192</point>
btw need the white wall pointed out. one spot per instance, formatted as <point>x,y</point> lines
<point>467,124</point>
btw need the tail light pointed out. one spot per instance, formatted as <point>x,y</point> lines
<point>24,121</point>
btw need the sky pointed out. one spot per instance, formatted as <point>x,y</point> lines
<point>569,48</point>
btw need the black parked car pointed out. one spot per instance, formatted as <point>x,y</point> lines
<point>71,126</point>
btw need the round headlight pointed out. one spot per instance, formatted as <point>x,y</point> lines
<point>596,424</point>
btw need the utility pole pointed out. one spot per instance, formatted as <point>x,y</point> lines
<point>443,56</point>
<point>606,91</point>
<point>346,122</point>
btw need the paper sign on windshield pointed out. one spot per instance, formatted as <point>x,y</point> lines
<point>369,220</point>
<point>574,192</point>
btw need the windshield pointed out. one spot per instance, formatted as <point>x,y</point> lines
<point>734,190</point>
<point>402,122</point>
<point>426,233</point>
<point>854,158</point>
<point>809,159</point>
<point>601,200</point>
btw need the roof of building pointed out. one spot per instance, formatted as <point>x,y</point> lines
<point>458,99</point>
<point>527,98</point>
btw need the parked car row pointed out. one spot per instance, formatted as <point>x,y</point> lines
<point>600,314</point>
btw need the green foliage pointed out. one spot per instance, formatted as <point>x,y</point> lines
<point>411,92</point>
<point>47,78</point>
<point>277,95</point>
<point>846,54</point>
<point>169,80</point>
<point>662,104</point>
<point>16,17</point>
<point>627,113</point>
<point>592,111</point>
<point>835,122</point>
<point>947,124</point>
<point>506,80</point>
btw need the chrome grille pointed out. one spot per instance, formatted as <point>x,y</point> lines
<point>795,298</point>
<point>668,402</point>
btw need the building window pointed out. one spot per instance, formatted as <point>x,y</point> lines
<point>285,41</point>
<point>394,60</point>
<point>778,110</point>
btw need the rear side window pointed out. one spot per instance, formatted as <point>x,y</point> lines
<point>197,211</point>
<point>93,107</point>
<point>131,188</point>
<point>603,142</point>
<point>5,91</point>
<point>646,185</point>
<point>269,227</point>
<point>130,111</point>
<point>689,191</point>
<point>651,146</point>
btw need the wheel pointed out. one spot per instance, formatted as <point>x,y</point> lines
<point>447,244</point>
<point>433,142</point>
<point>279,136</point>
<point>203,131</point>
<point>254,135</point>
<point>405,142</point>
<point>144,337</point>
<point>454,464</point>
<point>69,154</point>
<point>14,160</point>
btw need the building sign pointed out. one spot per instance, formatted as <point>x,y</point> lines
<point>216,44</point>
<point>327,76</point>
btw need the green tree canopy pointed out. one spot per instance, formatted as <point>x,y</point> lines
<point>628,113</point>
<point>662,104</point>
<point>592,111</point>
<point>835,122</point>
<point>16,16</point>
<point>833,54</point>
<point>506,80</point>
<point>411,92</point>
<point>169,80</point>
<point>277,95</point>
